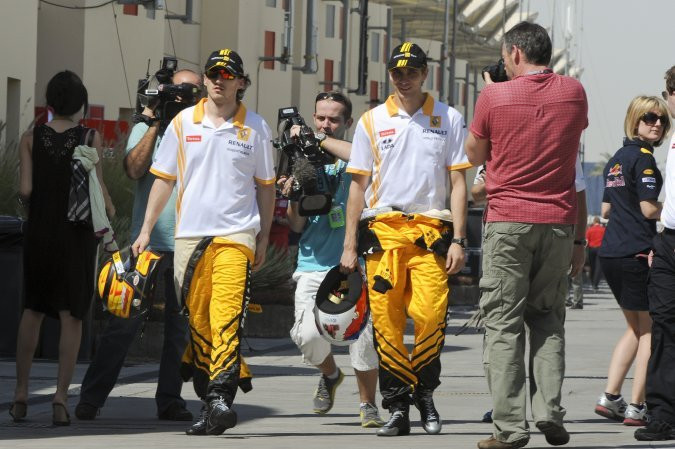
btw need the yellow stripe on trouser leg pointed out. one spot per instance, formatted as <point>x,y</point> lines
<point>216,303</point>
<point>412,282</point>
<point>428,304</point>
<point>389,318</point>
<point>229,283</point>
<point>197,304</point>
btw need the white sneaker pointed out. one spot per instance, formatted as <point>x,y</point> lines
<point>636,416</point>
<point>611,409</point>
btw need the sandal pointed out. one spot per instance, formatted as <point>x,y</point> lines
<point>60,416</point>
<point>18,411</point>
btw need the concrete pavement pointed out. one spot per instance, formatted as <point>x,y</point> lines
<point>277,413</point>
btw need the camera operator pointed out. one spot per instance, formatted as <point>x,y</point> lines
<point>119,333</point>
<point>319,251</point>
<point>526,130</point>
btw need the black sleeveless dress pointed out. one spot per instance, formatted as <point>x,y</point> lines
<point>59,256</point>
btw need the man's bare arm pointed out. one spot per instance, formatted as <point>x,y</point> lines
<point>355,204</point>
<point>477,150</point>
<point>139,158</point>
<point>159,195</point>
<point>265,196</point>
<point>338,148</point>
<point>458,206</point>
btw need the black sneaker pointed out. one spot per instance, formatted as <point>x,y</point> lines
<point>431,420</point>
<point>399,422</point>
<point>656,431</point>
<point>555,434</point>
<point>221,417</point>
<point>86,412</point>
<point>199,426</point>
<point>324,396</point>
<point>175,412</point>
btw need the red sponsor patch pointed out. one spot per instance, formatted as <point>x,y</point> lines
<point>387,132</point>
<point>193,138</point>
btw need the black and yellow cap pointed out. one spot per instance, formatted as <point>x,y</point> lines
<point>225,59</point>
<point>407,55</point>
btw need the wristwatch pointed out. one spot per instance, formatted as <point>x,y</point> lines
<point>320,137</point>
<point>462,241</point>
<point>582,242</point>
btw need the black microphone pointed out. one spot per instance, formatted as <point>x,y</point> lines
<point>305,174</point>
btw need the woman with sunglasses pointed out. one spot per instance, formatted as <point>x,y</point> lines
<point>632,185</point>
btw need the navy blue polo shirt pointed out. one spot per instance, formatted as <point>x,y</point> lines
<point>630,176</point>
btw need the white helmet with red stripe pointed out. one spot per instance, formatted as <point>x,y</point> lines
<point>341,310</point>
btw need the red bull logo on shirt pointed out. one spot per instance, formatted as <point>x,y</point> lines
<point>615,170</point>
<point>616,173</point>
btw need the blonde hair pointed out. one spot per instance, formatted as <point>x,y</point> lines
<point>640,106</point>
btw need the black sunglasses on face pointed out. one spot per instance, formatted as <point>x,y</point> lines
<point>224,74</point>
<point>650,118</point>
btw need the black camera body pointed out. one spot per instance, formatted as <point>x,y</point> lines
<point>497,71</point>
<point>303,158</point>
<point>166,99</point>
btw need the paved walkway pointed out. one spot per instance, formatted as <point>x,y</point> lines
<point>277,413</point>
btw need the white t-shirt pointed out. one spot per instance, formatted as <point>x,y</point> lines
<point>408,157</point>
<point>216,170</point>
<point>668,213</point>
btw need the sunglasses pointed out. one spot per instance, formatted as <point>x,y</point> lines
<point>224,74</point>
<point>335,96</point>
<point>650,118</point>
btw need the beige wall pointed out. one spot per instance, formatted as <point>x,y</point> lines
<point>18,47</point>
<point>90,46</point>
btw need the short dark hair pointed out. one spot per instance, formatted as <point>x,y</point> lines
<point>670,80</point>
<point>532,40</point>
<point>242,91</point>
<point>66,94</point>
<point>338,96</point>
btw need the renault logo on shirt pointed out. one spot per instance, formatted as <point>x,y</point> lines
<point>440,132</point>
<point>435,121</point>
<point>244,134</point>
<point>235,143</point>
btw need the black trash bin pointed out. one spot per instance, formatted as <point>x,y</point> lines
<point>11,274</point>
<point>11,298</point>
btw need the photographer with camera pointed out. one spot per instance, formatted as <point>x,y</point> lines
<point>402,153</point>
<point>218,156</point>
<point>319,251</point>
<point>119,333</point>
<point>526,131</point>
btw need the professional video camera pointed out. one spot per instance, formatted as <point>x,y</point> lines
<point>165,98</point>
<point>497,71</point>
<point>303,158</point>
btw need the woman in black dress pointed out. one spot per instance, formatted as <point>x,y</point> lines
<point>59,255</point>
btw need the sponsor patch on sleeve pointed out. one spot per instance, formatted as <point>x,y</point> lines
<point>193,138</point>
<point>648,171</point>
<point>649,180</point>
<point>387,132</point>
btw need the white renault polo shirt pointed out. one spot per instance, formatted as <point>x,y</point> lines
<point>215,170</point>
<point>408,157</point>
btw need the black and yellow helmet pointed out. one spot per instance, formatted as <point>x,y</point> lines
<point>125,288</point>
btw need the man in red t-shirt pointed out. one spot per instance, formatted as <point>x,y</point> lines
<point>594,235</point>
<point>526,131</point>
